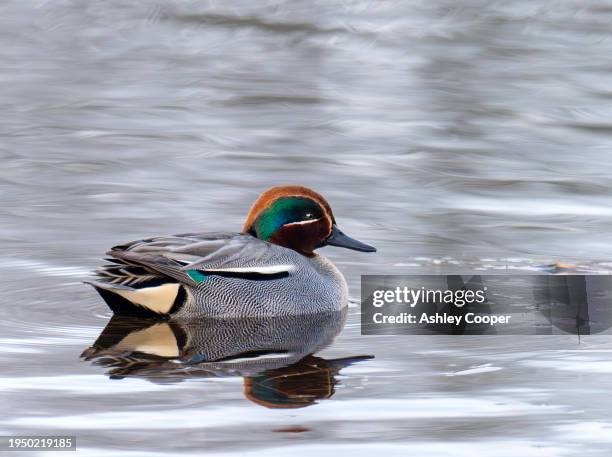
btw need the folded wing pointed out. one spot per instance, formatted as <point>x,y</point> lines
<point>150,275</point>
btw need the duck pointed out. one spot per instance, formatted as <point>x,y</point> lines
<point>270,268</point>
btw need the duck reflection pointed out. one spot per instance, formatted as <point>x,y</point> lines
<point>273,355</point>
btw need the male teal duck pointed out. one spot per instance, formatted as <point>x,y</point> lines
<point>269,269</point>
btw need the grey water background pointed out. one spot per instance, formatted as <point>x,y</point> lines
<point>454,136</point>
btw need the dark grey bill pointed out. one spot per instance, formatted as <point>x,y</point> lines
<point>337,238</point>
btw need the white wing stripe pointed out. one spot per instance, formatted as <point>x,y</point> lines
<point>267,270</point>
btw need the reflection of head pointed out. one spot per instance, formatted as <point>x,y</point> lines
<point>297,385</point>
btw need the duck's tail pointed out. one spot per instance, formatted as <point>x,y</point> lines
<point>152,301</point>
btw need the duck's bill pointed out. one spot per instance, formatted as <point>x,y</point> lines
<point>337,238</point>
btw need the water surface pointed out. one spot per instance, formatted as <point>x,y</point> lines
<point>454,136</point>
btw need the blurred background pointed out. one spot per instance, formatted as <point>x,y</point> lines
<point>452,135</point>
<point>444,128</point>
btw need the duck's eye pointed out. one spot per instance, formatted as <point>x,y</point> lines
<point>309,216</point>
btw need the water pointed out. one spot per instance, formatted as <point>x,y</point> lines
<point>454,136</point>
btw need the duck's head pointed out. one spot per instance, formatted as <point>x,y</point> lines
<point>297,218</point>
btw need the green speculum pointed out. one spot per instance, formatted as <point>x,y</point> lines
<point>196,275</point>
